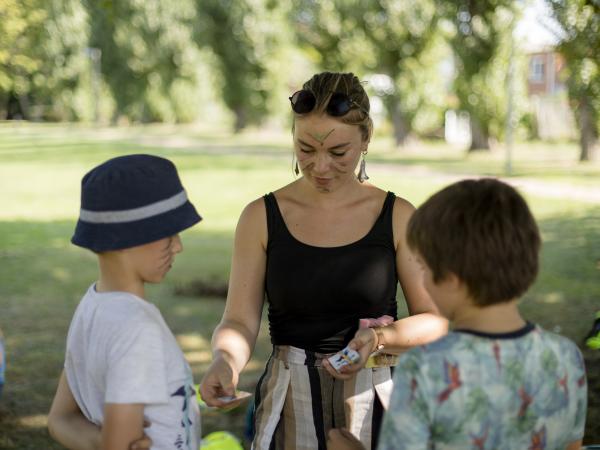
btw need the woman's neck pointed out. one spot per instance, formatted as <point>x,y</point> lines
<point>344,194</point>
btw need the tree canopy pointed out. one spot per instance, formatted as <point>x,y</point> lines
<point>579,35</point>
<point>155,61</point>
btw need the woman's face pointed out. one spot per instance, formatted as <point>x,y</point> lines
<point>328,150</point>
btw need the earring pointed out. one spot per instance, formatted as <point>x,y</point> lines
<point>362,172</point>
<point>295,168</point>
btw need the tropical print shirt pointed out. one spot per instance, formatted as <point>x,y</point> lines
<point>470,390</point>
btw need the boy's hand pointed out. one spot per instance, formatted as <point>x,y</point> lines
<point>144,443</point>
<point>364,343</point>
<point>219,381</point>
<point>123,425</point>
<point>342,439</point>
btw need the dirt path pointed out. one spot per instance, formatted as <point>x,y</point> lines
<point>534,186</point>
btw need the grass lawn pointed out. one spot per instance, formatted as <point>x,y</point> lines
<point>42,276</point>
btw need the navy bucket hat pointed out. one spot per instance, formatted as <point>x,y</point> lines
<point>129,201</point>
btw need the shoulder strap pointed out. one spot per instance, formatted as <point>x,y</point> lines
<point>385,220</point>
<point>274,218</point>
<point>388,207</point>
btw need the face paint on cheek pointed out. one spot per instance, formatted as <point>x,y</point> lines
<point>302,157</point>
<point>342,167</point>
<point>305,161</point>
<point>345,164</point>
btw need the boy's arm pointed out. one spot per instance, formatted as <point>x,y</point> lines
<point>67,424</point>
<point>69,427</point>
<point>575,445</point>
<point>123,425</point>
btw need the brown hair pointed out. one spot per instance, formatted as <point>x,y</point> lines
<point>483,232</point>
<point>322,85</point>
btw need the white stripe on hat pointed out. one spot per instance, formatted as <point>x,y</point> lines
<point>130,215</point>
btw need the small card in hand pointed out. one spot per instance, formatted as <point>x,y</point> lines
<point>343,358</point>
<point>239,395</point>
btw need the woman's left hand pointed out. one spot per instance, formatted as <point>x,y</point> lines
<point>364,342</point>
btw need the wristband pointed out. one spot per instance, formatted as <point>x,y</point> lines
<point>380,338</point>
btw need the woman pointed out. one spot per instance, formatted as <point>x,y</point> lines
<point>327,250</point>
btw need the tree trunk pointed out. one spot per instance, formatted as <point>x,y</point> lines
<point>4,108</point>
<point>402,130</point>
<point>588,139</point>
<point>24,104</point>
<point>240,119</point>
<point>13,107</point>
<point>479,135</point>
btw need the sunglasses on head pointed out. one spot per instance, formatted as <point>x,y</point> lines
<point>339,104</point>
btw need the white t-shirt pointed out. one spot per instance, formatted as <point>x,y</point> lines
<point>120,350</point>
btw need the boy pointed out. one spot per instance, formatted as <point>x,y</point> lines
<point>495,381</point>
<point>123,366</point>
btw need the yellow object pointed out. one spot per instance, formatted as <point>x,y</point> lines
<point>201,402</point>
<point>198,396</point>
<point>593,343</point>
<point>220,440</point>
<point>381,360</point>
<point>593,338</point>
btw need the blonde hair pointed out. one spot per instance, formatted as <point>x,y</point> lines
<point>324,84</point>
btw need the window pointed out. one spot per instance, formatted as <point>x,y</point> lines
<point>536,68</point>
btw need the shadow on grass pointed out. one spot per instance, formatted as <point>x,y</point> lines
<point>566,295</point>
<point>43,277</point>
<point>492,164</point>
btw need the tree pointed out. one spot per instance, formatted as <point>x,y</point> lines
<point>241,37</point>
<point>21,27</point>
<point>41,58</point>
<point>329,34</point>
<point>385,37</point>
<point>400,32</point>
<point>60,84</point>
<point>580,45</point>
<point>478,32</point>
<point>147,49</point>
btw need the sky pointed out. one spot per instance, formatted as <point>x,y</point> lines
<point>532,31</point>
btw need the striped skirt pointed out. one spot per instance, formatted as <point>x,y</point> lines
<point>297,402</point>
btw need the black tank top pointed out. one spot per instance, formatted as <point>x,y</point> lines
<point>317,295</point>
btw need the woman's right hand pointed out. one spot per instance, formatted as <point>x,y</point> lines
<point>220,380</point>
<point>234,338</point>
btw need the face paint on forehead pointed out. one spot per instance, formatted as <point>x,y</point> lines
<point>320,137</point>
